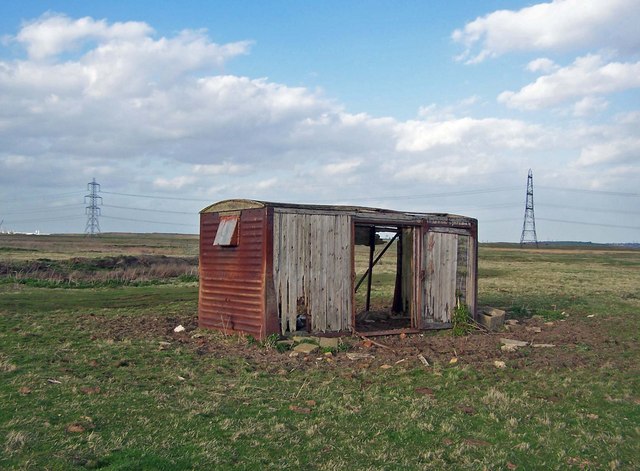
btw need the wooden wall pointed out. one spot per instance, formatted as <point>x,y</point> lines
<point>312,269</point>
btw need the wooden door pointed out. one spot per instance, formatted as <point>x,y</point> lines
<point>440,265</point>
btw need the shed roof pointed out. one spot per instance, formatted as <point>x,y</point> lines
<point>362,211</point>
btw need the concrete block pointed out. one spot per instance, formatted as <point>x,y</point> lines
<point>491,318</point>
<point>305,348</point>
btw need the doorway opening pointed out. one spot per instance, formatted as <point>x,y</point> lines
<point>383,278</point>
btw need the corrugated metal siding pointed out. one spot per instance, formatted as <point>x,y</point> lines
<point>232,296</point>
<point>312,270</point>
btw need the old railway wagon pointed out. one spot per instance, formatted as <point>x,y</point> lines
<point>270,268</point>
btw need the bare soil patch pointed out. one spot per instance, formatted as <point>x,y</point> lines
<point>578,343</point>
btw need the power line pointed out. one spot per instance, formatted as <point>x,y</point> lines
<point>426,195</point>
<point>583,208</point>
<point>590,223</point>
<point>583,190</point>
<point>46,210</point>
<point>42,197</point>
<point>63,218</point>
<point>149,210</point>
<point>488,221</point>
<point>151,222</point>
<point>157,197</point>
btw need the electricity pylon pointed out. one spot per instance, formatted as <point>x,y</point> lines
<point>529,225</point>
<point>92,210</point>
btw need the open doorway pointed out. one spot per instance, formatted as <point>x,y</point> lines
<point>383,287</point>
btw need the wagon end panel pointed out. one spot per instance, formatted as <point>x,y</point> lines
<point>232,268</point>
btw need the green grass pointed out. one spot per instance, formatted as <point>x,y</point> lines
<point>29,300</point>
<point>127,401</point>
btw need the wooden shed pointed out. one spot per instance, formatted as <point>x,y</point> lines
<point>270,268</point>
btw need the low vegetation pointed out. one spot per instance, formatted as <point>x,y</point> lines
<point>96,378</point>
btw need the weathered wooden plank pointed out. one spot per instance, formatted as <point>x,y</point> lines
<point>449,230</point>
<point>329,244</point>
<point>418,266</point>
<point>406,283</point>
<point>343,269</point>
<point>277,254</point>
<point>320,267</point>
<point>293,270</point>
<point>345,286</point>
<point>471,274</point>
<point>448,279</point>
<point>324,224</point>
<point>440,284</point>
<point>314,273</point>
<point>312,264</point>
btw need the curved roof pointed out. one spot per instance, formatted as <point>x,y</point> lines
<point>241,204</point>
<point>233,205</point>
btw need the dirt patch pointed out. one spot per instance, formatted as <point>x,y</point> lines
<point>577,343</point>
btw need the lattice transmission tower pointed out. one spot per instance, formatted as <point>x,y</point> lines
<point>529,225</point>
<point>92,210</point>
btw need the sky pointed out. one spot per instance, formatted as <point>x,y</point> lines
<point>412,105</point>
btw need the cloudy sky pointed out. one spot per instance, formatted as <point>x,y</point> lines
<point>413,105</point>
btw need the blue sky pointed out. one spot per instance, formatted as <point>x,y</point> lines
<point>422,106</point>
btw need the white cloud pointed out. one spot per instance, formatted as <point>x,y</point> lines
<point>588,75</point>
<point>16,161</point>
<point>435,112</point>
<point>621,150</point>
<point>542,64</point>
<point>175,183</point>
<point>341,168</point>
<point>52,34</point>
<point>488,133</point>
<point>559,25</point>
<point>588,106</point>
<point>224,168</point>
<point>266,184</point>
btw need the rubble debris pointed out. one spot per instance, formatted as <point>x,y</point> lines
<point>491,318</point>
<point>509,348</point>
<point>359,356</point>
<point>306,348</point>
<point>517,343</point>
<point>423,360</point>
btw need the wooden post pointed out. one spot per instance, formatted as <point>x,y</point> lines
<point>397,292</point>
<point>372,248</point>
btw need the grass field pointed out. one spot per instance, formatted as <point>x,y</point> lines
<point>92,376</point>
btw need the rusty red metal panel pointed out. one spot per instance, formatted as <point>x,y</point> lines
<point>232,278</point>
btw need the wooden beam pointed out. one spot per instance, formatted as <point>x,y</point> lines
<point>372,248</point>
<point>397,292</point>
<point>375,262</point>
